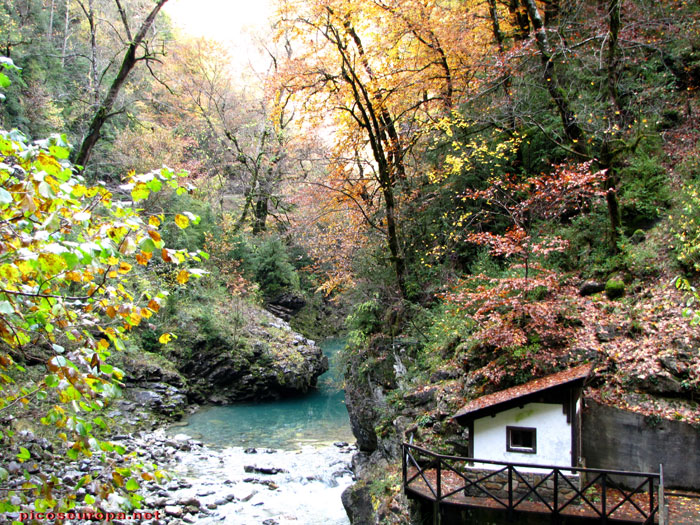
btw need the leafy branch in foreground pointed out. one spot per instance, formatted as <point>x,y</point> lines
<point>69,254</point>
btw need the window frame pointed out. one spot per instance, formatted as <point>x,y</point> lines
<point>521,450</point>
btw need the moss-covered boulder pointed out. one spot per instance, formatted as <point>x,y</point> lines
<point>614,288</point>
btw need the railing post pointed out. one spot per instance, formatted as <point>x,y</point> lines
<point>404,466</point>
<point>439,479</point>
<point>651,498</point>
<point>662,497</point>
<point>604,499</point>
<point>510,492</point>
<point>555,497</point>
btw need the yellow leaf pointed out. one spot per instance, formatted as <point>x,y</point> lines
<point>103,344</point>
<point>118,479</point>
<point>154,221</point>
<point>124,267</point>
<point>165,339</point>
<point>182,221</point>
<point>183,276</point>
<point>134,318</point>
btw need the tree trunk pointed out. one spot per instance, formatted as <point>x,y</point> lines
<point>103,112</point>
<point>612,58</point>
<point>49,31</point>
<point>93,54</point>
<point>66,34</point>
<point>496,25</point>
<point>386,149</point>
<point>520,20</point>
<point>261,210</point>
<point>571,128</point>
<point>614,112</point>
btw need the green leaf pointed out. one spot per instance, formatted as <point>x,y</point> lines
<point>147,245</point>
<point>132,485</point>
<point>59,152</point>
<point>6,308</point>
<point>83,481</point>
<point>5,196</point>
<point>155,185</point>
<point>140,192</point>
<point>4,474</point>
<point>72,453</point>
<point>4,81</point>
<point>89,499</point>
<point>23,454</point>
<point>71,259</point>
<point>81,430</point>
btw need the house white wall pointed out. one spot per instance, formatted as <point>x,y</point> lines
<point>553,435</point>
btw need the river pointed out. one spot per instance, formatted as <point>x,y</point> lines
<point>304,438</point>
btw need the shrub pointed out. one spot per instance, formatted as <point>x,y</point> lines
<point>364,321</point>
<point>685,225</point>
<point>644,191</point>
<point>273,270</point>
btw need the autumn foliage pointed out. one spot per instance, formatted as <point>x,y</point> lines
<point>72,258</point>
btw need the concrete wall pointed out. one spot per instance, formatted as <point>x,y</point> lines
<point>553,435</point>
<point>619,439</point>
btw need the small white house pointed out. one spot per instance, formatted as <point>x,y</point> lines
<point>537,422</point>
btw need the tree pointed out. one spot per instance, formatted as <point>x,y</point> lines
<point>243,132</point>
<point>379,72</point>
<point>130,58</point>
<point>69,296</point>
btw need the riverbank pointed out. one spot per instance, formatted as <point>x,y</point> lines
<point>201,484</point>
<point>173,475</point>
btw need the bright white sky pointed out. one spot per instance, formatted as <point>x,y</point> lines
<point>235,23</point>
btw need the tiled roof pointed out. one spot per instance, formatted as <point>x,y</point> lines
<point>578,373</point>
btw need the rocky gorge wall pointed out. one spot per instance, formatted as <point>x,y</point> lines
<point>274,361</point>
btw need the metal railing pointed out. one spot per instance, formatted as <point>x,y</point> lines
<point>587,492</point>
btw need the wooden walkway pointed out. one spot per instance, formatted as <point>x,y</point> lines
<point>594,495</point>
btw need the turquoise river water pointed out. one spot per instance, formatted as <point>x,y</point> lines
<point>316,418</point>
<point>295,436</point>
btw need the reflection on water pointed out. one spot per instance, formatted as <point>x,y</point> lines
<point>316,418</point>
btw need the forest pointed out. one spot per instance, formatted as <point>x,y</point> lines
<point>473,193</point>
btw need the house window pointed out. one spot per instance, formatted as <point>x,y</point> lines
<point>521,439</point>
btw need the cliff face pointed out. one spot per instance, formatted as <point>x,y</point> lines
<point>269,362</point>
<point>377,426</point>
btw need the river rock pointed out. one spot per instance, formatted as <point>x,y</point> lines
<point>247,498</point>
<point>264,470</point>
<point>358,503</point>
<point>189,502</point>
<point>590,288</point>
<point>172,510</point>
